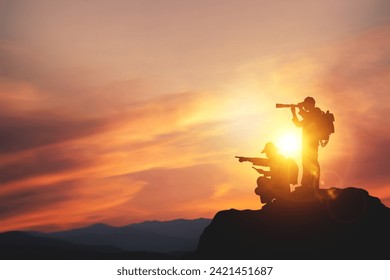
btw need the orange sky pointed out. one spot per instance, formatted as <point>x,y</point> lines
<point>125,111</point>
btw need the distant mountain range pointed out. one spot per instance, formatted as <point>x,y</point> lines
<point>147,240</point>
<point>326,224</point>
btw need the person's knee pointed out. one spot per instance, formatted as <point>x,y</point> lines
<point>263,181</point>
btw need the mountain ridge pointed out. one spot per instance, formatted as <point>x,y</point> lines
<point>103,226</point>
<point>146,239</point>
<point>329,224</point>
<point>332,223</point>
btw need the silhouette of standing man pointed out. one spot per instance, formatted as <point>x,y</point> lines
<point>310,141</point>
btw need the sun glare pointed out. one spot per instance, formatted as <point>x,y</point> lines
<point>289,144</point>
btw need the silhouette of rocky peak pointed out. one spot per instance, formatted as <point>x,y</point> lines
<point>329,224</point>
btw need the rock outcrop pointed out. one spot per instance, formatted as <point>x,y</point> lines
<point>330,224</point>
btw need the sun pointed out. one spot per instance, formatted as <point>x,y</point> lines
<point>289,144</point>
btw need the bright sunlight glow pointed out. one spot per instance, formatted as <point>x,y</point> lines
<point>289,144</point>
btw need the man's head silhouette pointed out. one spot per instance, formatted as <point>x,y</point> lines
<point>270,149</point>
<point>309,103</point>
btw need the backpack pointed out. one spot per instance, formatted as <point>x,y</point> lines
<point>325,127</point>
<point>292,170</point>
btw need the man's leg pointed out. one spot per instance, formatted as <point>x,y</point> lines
<point>310,166</point>
<point>306,174</point>
<point>316,175</point>
<point>314,167</point>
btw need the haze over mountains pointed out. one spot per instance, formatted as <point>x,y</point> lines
<point>155,236</point>
<point>152,239</point>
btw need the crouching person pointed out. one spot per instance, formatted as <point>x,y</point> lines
<point>275,182</point>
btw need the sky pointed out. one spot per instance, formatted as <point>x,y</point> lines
<point>124,111</point>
